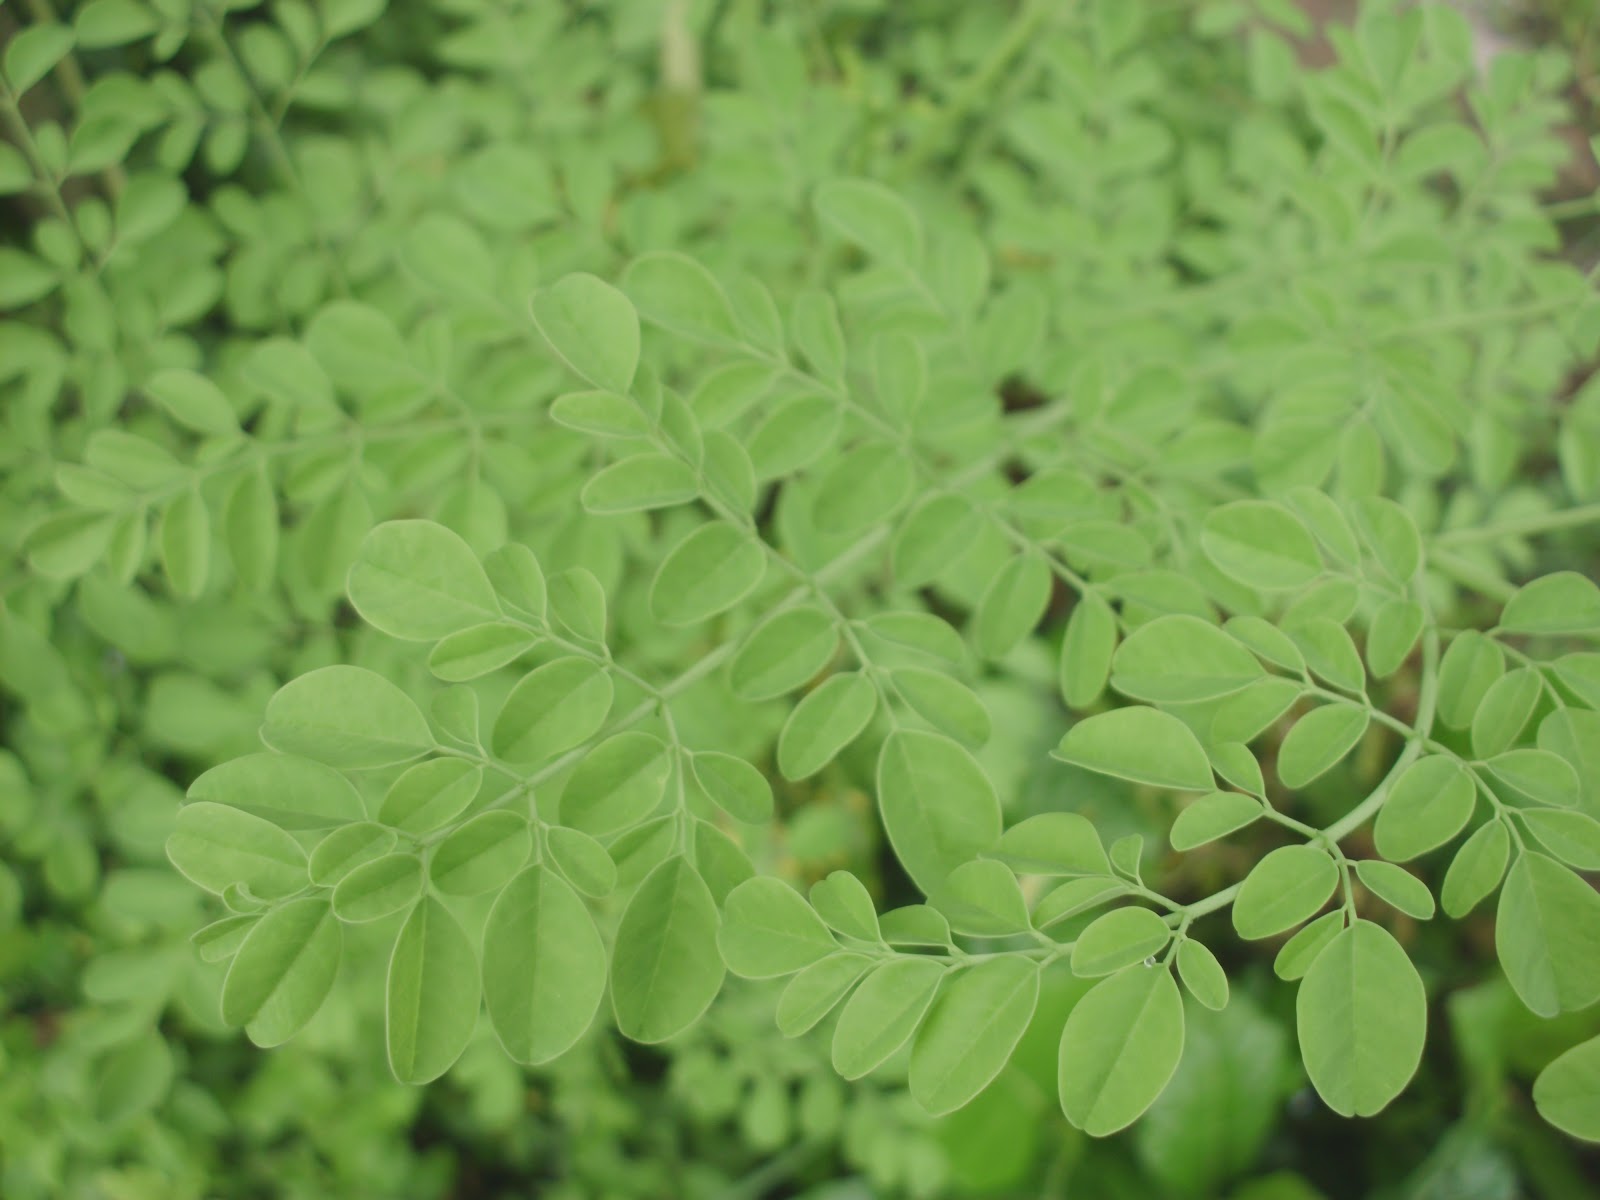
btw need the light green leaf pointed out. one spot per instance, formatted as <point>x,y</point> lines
<point>883,1013</point>
<point>283,971</point>
<point>1145,745</point>
<point>1053,843</point>
<point>1087,650</point>
<point>1118,939</point>
<point>1178,658</point>
<point>768,930</point>
<point>250,528</point>
<point>938,807</point>
<point>518,579</point>
<point>215,845</point>
<point>1075,897</point>
<point>675,292</point>
<point>347,717</point>
<point>784,653</point>
<point>1505,711</point>
<point>1119,1049</point>
<point>1567,1092</point>
<point>734,786</point>
<point>873,217</point>
<point>1392,535</point>
<point>919,631</point>
<point>1476,869</point>
<point>420,581</point>
<point>552,709</point>
<point>1396,887</point>
<point>618,784</point>
<point>643,481</point>
<point>708,572</point>
<point>866,485</point>
<point>186,543</point>
<point>592,328</point>
<point>1012,605</point>
<point>482,854</point>
<point>983,898</point>
<point>1299,952</point>
<point>1262,545</point>
<point>544,967</point>
<point>578,603</point>
<point>1562,603</point>
<point>1318,740</point>
<point>814,326</point>
<point>1573,837</point>
<point>430,795</point>
<point>377,888</point>
<point>1547,936</point>
<point>947,704</point>
<point>346,848</point>
<point>844,904</point>
<point>1330,652</point>
<point>825,722</point>
<point>1362,1017</point>
<point>974,1026</point>
<point>1202,974</point>
<point>1429,804</point>
<point>473,653</point>
<point>1396,626</point>
<point>1212,816</point>
<point>292,793</point>
<point>933,537</point>
<point>432,996</point>
<point>193,401</point>
<point>1468,669</point>
<point>1286,887</point>
<point>817,990</point>
<point>582,861</point>
<point>1539,775</point>
<point>665,967</point>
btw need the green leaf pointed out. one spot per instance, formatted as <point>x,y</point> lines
<point>193,401</point>
<point>1330,653</point>
<point>1299,952</point>
<point>420,581</point>
<point>1468,669</point>
<point>844,904</point>
<point>1212,816</point>
<point>1567,1092</point>
<point>1202,974</point>
<point>431,1007</point>
<point>1053,843</point>
<point>825,722</point>
<point>250,528</point>
<point>945,703</point>
<point>937,805</point>
<point>103,23</point>
<point>1562,603</point>
<point>708,572</point>
<point>215,845</point>
<point>665,967</point>
<point>817,990</point>
<point>186,544</point>
<point>768,930</point>
<point>675,292</point>
<point>482,854</point>
<point>865,486</point>
<point>518,579</point>
<point>983,898</point>
<point>346,848</point>
<point>899,375</point>
<point>1262,545</point>
<point>1178,658</point>
<point>734,786</point>
<point>430,795</point>
<point>292,793</point>
<point>618,784</point>
<point>814,326</point>
<point>582,861</point>
<point>68,544</point>
<point>1119,939</point>
<point>1573,837</point>
<point>1476,869</point>
<point>1075,897</point>
<point>551,710</point>
<point>378,888</point>
<point>1087,650</point>
<point>1318,740</point>
<point>578,603</point>
<point>883,1013</point>
<point>1362,1017</point>
<point>1245,716</point>
<point>643,481</point>
<point>1505,711</point>
<point>1547,936</point>
<point>544,967</point>
<point>934,536</point>
<point>347,717</point>
<point>1145,745</point>
<point>1119,1049</point>
<point>1396,626</point>
<point>873,217</point>
<point>784,653</point>
<point>283,971</point>
<point>974,1026</point>
<point>478,651</point>
<point>1286,887</point>
<point>922,632</point>
<point>1429,804</point>
<point>1539,775</point>
<point>1013,604</point>
<point>32,52</point>
<point>1396,887</point>
<point>1392,534</point>
<point>592,328</point>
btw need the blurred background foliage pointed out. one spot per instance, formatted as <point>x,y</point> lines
<point>190,181</point>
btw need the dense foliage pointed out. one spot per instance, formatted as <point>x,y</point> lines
<point>837,599</point>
